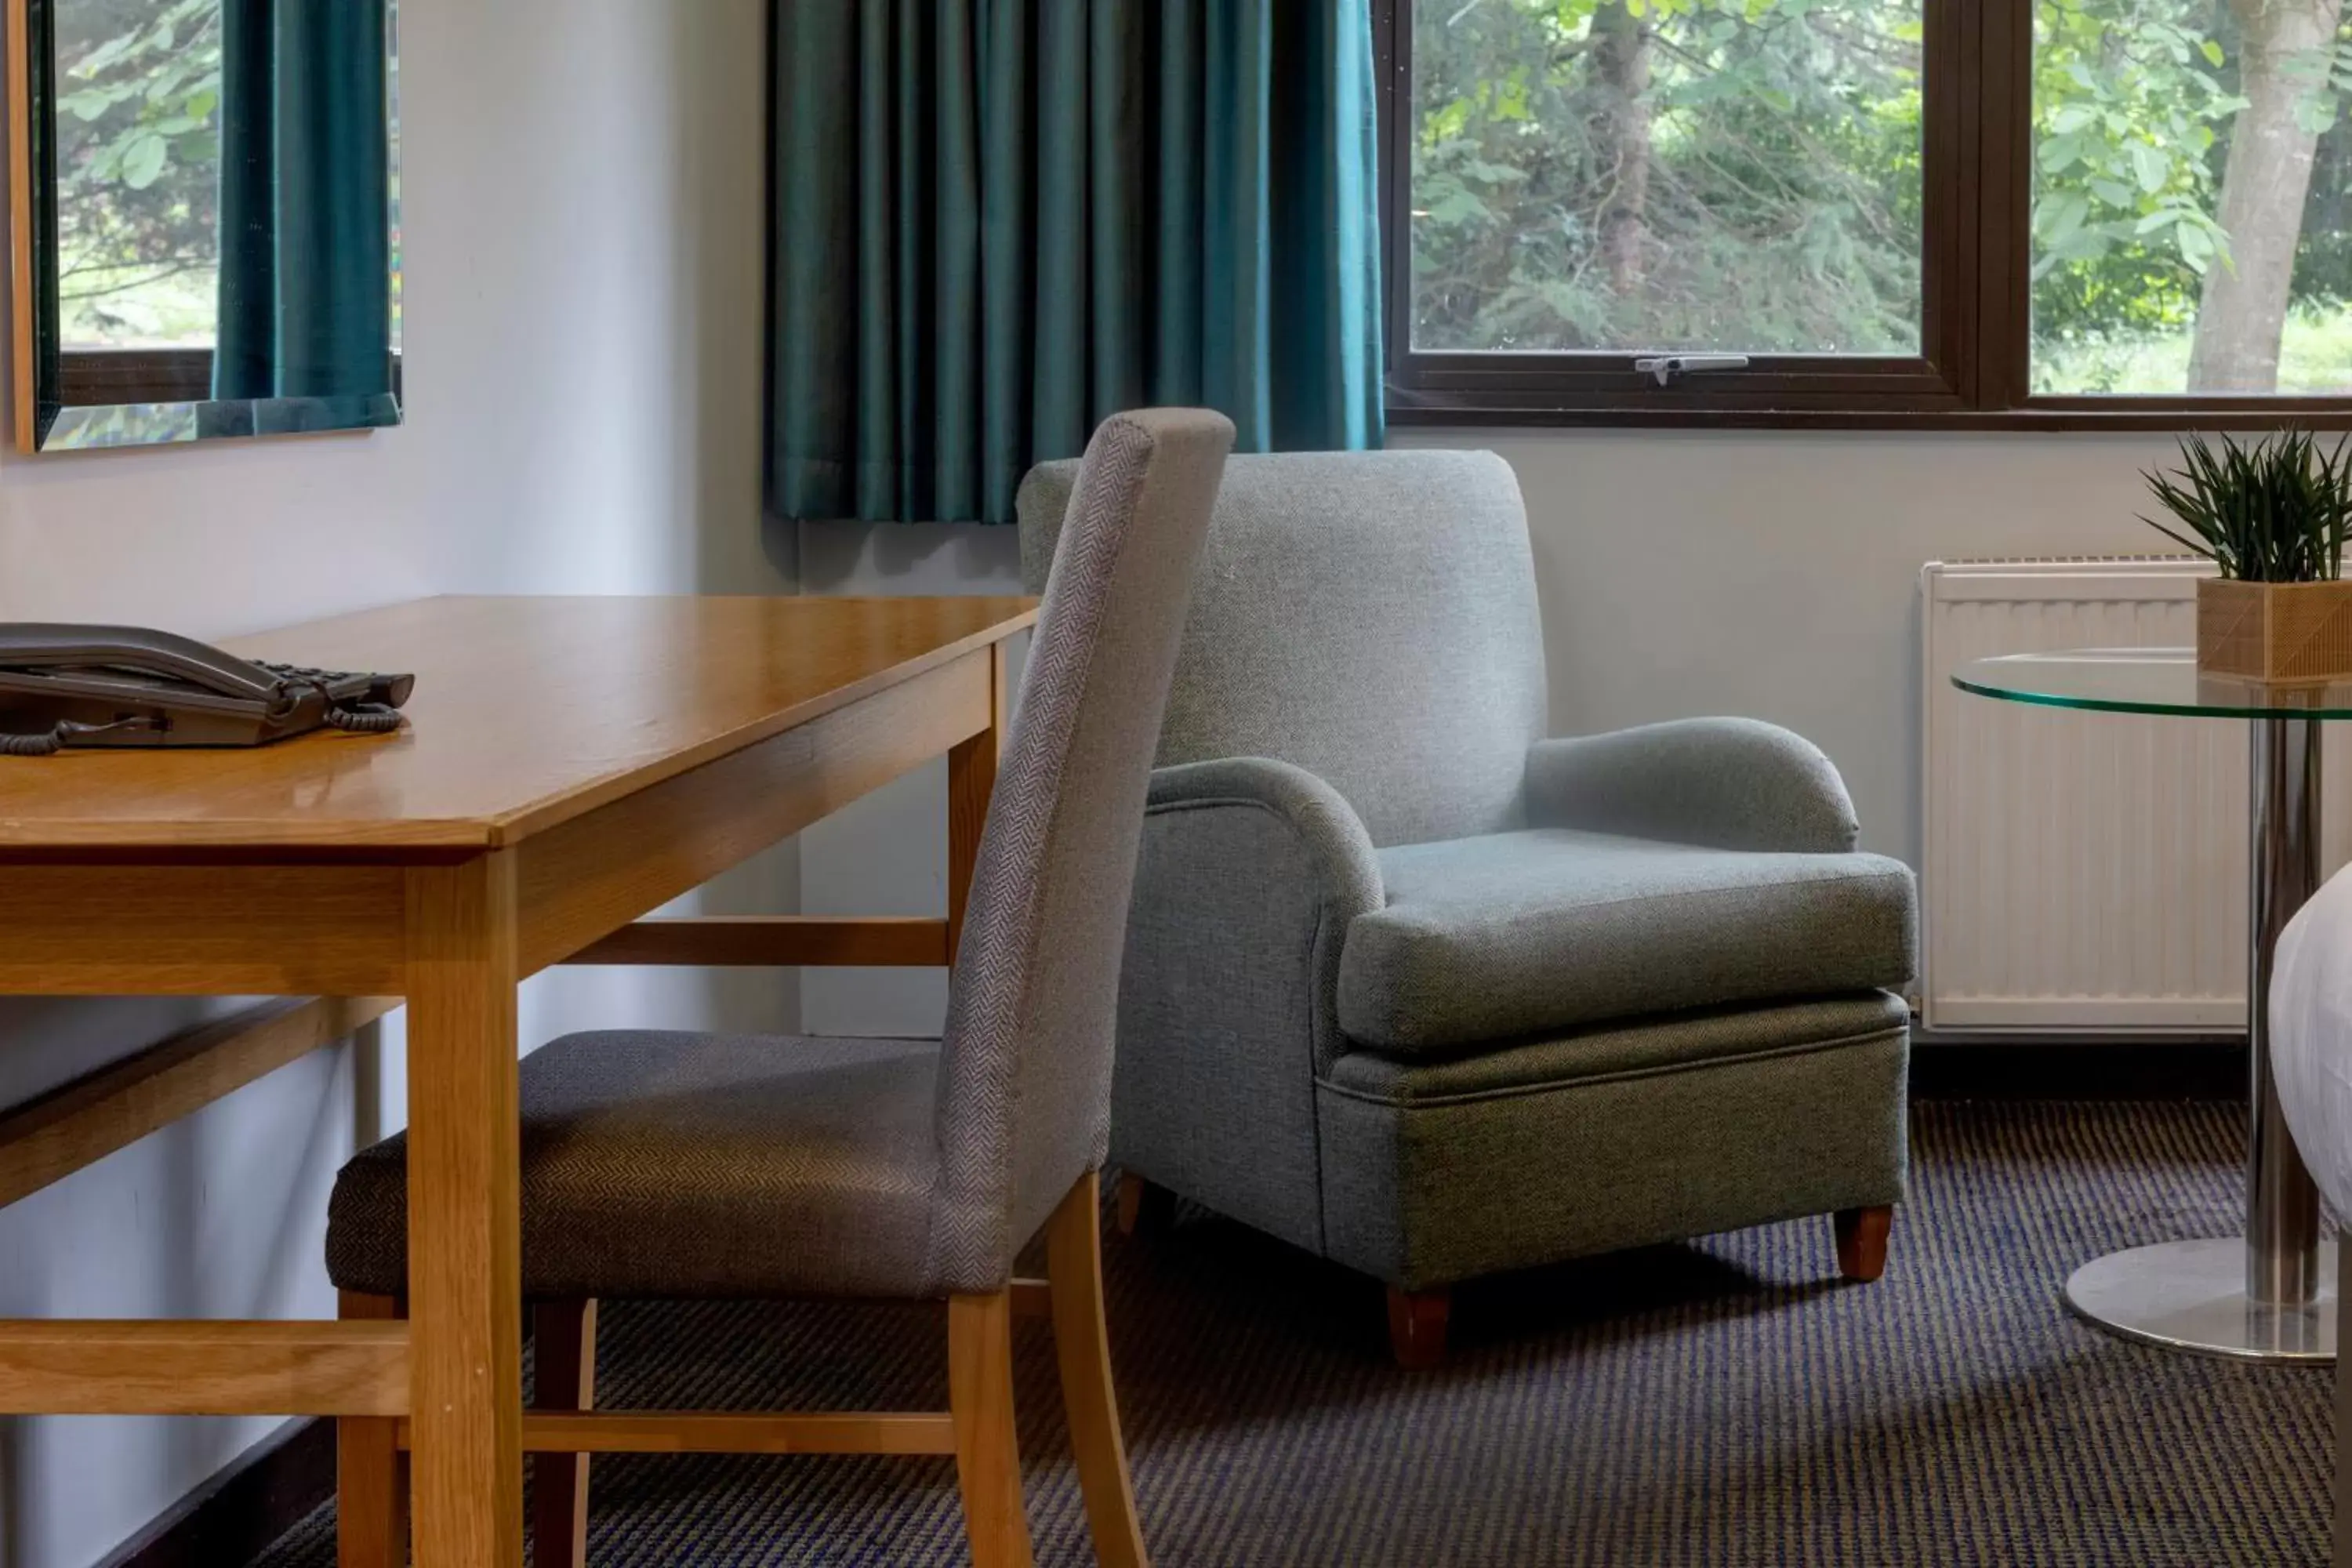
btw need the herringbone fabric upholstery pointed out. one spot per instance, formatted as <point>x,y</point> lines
<point>694,1165</point>
<point>677,1164</point>
<point>1024,1107</point>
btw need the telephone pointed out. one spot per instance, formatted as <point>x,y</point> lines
<point>122,686</point>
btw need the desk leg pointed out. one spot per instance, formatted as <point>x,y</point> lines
<point>464,1216</point>
<point>971,780</point>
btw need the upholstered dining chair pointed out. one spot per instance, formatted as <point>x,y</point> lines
<point>1420,990</point>
<point>684,1166</point>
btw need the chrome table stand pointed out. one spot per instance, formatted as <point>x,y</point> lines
<point>2270,1297</point>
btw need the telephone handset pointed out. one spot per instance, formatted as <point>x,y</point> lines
<point>122,686</point>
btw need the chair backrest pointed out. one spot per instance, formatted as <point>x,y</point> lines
<point>1368,616</point>
<point>1025,1101</point>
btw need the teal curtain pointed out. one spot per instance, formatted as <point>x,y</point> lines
<point>998,221</point>
<point>305,202</point>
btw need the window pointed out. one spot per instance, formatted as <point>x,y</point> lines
<point>1859,212</point>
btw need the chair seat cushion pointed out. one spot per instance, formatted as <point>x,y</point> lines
<point>686,1165</point>
<point>1483,940</point>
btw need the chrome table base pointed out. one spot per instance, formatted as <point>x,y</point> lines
<point>2270,1297</point>
<point>2191,1296</point>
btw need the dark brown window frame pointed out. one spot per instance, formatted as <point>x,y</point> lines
<point>104,378</point>
<point>1973,371</point>
<point>107,377</point>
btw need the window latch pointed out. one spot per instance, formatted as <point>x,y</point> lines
<point>1666,367</point>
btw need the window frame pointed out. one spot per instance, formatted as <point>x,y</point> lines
<point>106,378</point>
<point>1974,370</point>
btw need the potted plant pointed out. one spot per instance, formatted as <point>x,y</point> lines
<point>2273,517</point>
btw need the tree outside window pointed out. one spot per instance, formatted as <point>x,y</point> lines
<point>1605,177</point>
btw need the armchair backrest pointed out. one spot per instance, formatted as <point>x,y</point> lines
<point>1368,616</point>
<point>1025,1101</point>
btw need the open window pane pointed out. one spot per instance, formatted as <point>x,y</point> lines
<point>1706,176</point>
<point>2192,227</point>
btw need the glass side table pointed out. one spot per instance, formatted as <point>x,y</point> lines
<point>2273,1297</point>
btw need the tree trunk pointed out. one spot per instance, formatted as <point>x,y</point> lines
<point>2243,313</point>
<point>1623,61</point>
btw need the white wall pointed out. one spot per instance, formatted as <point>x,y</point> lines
<point>1776,574</point>
<point>888,853</point>
<point>583,209</point>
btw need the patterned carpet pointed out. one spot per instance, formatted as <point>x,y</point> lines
<point>1718,1404</point>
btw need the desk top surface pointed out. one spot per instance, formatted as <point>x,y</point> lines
<point>528,712</point>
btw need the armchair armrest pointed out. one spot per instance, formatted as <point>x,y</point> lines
<point>1731,783</point>
<point>1337,847</point>
<point>1250,875</point>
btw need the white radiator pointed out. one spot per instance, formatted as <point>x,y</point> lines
<point>2081,872</point>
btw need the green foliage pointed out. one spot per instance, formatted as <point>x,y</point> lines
<point>139,85</point>
<point>2132,101</point>
<point>2127,95</point>
<point>169,90</point>
<point>1781,202</point>
<point>2275,512</point>
<point>2314,356</point>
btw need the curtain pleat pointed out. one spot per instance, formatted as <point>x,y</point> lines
<point>997,222</point>
<point>305,242</point>
<point>1008,275</point>
<point>1178,299</point>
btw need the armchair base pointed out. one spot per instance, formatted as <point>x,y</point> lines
<point>1417,1327</point>
<point>1141,1208</point>
<point>1418,1320</point>
<point>1862,1241</point>
<point>1660,1130</point>
<point>1669,1127</point>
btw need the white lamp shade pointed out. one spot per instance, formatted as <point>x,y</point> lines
<point>2311,1036</point>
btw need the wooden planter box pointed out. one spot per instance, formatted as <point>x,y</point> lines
<point>2279,632</point>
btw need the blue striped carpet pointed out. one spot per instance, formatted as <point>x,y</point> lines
<point>1716,1403</point>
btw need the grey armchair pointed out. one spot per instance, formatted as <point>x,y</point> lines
<point>1419,990</point>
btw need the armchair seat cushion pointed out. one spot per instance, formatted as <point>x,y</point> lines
<point>1508,934</point>
<point>666,1165</point>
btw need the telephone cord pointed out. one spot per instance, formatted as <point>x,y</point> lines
<point>47,746</point>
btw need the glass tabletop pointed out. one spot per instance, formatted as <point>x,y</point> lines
<point>2144,681</point>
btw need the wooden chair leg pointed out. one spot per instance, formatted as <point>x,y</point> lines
<point>1143,1208</point>
<point>1862,1241</point>
<point>563,1334</point>
<point>988,1450</point>
<point>1082,1342</point>
<point>1417,1326</point>
<point>371,1472</point>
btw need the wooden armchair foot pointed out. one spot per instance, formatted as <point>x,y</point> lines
<point>1417,1326</point>
<point>1862,1241</point>
<point>1143,1208</point>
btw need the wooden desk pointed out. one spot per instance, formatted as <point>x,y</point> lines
<point>571,764</point>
